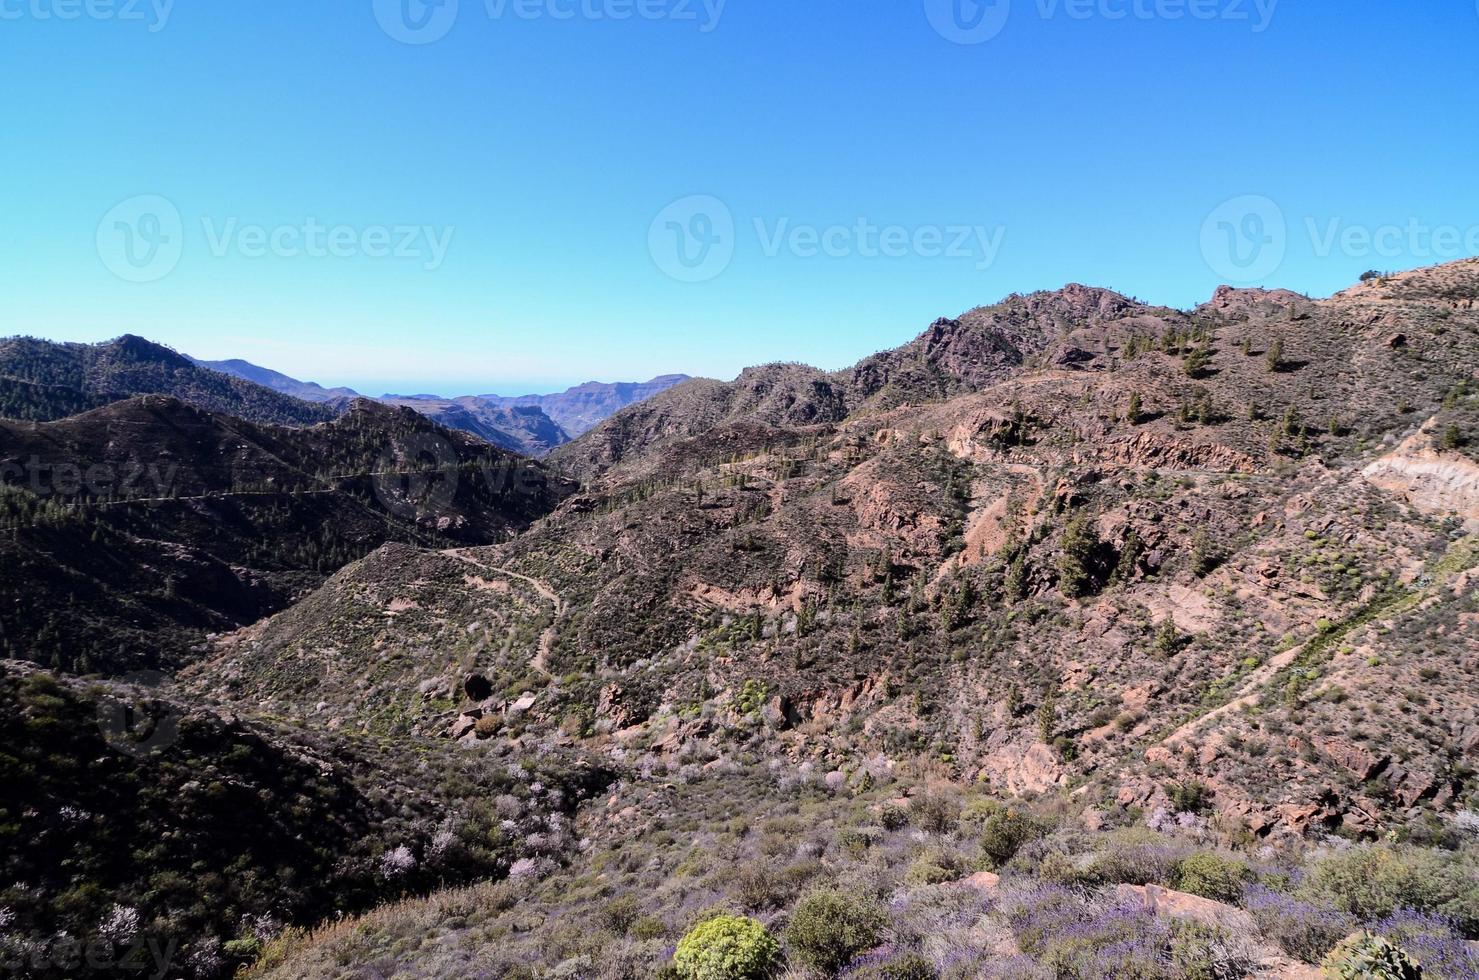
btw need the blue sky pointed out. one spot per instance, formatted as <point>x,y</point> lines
<point>522,199</point>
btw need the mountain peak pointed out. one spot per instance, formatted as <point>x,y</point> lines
<point>140,349</point>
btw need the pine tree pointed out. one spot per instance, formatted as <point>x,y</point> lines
<point>1016,580</point>
<point>1076,572</point>
<point>1196,362</point>
<point>1168,639</point>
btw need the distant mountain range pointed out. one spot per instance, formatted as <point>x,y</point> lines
<point>306,390</point>
<point>522,430</point>
<point>528,424</point>
<point>580,409</point>
<point>43,381</point>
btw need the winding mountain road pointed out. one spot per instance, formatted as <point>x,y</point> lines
<point>540,663</point>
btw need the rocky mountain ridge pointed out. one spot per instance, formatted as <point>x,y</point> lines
<point>1123,477</point>
<point>44,381</point>
<point>528,424</point>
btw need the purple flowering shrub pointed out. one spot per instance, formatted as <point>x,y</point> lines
<point>1432,940</point>
<point>1072,935</point>
<point>1304,930</point>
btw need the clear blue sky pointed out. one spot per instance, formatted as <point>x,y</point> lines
<point>1094,137</point>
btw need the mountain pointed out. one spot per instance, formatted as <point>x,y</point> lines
<point>953,357</point>
<point>578,409</point>
<point>1068,551</point>
<point>307,391</point>
<point>529,424</point>
<point>138,528</point>
<point>1077,637</point>
<point>43,381</point>
<point>525,430</point>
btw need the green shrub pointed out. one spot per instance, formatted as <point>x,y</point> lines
<point>936,814</point>
<point>757,886</point>
<point>1189,797</point>
<point>828,929</point>
<point>648,927</point>
<point>974,817</point>
<point>1005,832</point>
<point>909,966</point>
<point>893,817</point>
<point>1371,883</point>
<point>620,913</point>
<point>1073,872</point>
<point>1367,957</point>
<point>934,867</point>
<point>242,949</point>
<point>726,947</point>
<point>1137,856</point>
<point>1200,952</point>
<point>1210,876</point>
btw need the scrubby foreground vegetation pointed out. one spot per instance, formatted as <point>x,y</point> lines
<point>855,880</point>
<point>132,820</point>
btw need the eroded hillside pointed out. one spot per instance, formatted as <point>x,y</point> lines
<point>1067,541</point>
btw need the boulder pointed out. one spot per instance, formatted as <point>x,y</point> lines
<point>613,705</point>
<point>1283,968</point>
<point>1191,908</point>
<point>982,881</point>
<point>1358,760</point>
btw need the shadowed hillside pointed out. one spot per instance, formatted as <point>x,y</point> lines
<point>136,529</point>
<point>42,381</point>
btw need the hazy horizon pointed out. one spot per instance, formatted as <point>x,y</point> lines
<point>450,386</point>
